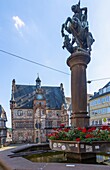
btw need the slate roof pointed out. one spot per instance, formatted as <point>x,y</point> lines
<point>0,110</point>
<point>25,94</point>
<point>97,94</point>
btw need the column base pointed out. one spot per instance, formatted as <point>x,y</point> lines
<point>80,119</point>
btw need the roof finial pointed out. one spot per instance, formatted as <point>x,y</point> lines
<point>79,3</point>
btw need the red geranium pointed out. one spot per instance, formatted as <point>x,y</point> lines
<point>80,129</point>
<point>66,129</point>
<point>78,139</point>
<point>92,129</point>
<point>89,136</point>
<point>105,128</point>
<point>84,130</point>
<point>81,134</point>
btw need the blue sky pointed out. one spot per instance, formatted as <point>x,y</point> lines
<point>31,29</point>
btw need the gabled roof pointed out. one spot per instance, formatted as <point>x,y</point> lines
<point>108,84</point>
<point>1,110</point>
<point>25,94</point>
<point>98,94</point>
<point>2,113</point>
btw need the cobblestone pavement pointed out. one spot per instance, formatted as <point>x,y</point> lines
<point>19,163</point>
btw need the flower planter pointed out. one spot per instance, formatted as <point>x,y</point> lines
<point>80,147</point>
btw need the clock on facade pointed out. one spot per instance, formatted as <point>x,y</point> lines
<point>39,96</point>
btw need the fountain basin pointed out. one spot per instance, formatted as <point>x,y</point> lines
<point>80,147</point>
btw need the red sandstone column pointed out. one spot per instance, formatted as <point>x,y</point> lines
<point>78,63</point>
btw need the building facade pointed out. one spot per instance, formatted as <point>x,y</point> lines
<point>69,108</point>
<point>9,136</point>
<point>3,129</point>
<point>36,110</point>
<point>100,106</point>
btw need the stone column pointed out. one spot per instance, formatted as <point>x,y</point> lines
<point>78,63</point>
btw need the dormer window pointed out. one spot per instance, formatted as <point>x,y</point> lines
<point>100,91</point>
<point>20,113</point>
<point>104,90</point>
<point>108,88</point>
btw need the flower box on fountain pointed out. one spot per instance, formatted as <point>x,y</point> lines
<point>80,140</point>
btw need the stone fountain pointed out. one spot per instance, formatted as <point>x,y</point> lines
<point>78,41</point>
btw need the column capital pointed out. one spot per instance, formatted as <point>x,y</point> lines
<point>77,58</point>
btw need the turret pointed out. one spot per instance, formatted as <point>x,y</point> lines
<point>12,101</point>
<point>61,87</point>
<point>38,82</point>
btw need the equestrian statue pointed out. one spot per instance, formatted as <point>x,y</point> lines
<point>78,28</point>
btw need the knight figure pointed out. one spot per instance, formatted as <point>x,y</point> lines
<point>78,27</point>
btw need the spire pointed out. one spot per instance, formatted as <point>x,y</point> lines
<point>38,82</point>
<point>79,3</point>
<point>61,86</point>
<point>13,89</point>
<point>12,101</point>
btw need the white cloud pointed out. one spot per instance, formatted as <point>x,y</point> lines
<point>18,22</point>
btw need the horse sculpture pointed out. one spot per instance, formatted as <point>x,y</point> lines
<point>78,27</point>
